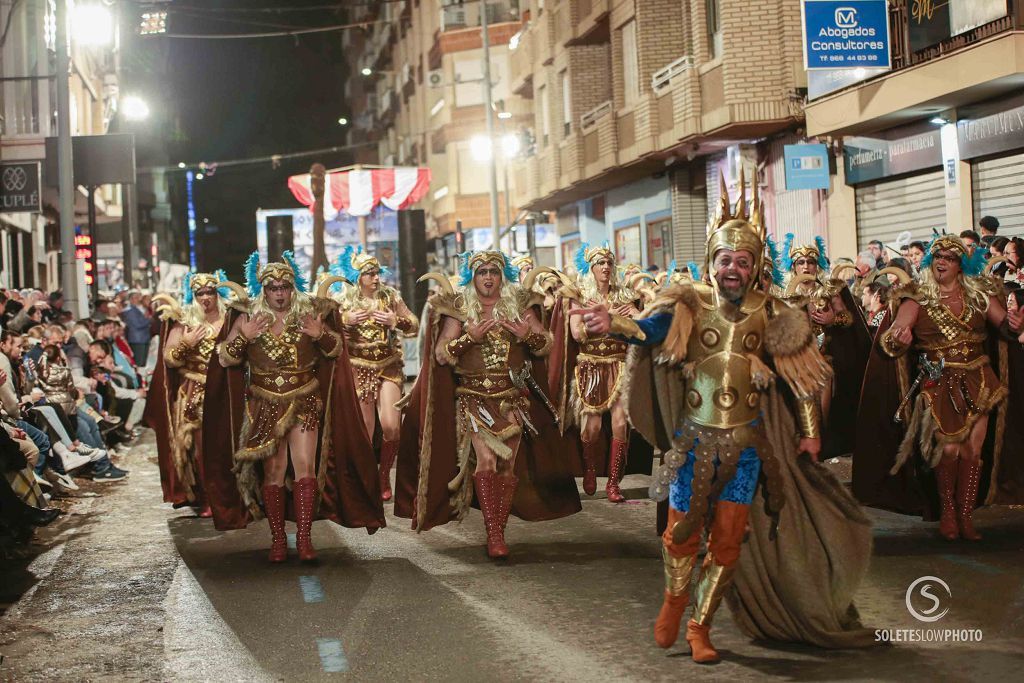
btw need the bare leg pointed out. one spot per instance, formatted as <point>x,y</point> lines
<point>390,424</point>
<point>276,466</point>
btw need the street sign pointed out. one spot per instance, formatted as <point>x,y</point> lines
<point>846,34</point>
<point>19,187</point>
<point>806,167</point>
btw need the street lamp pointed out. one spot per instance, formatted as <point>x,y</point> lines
<point>366,71</point>
<point>93,25</point>
<point>342,121</point>
<point>134,108</point>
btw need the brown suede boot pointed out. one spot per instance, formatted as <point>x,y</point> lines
<point>388,451</point>
<point>714,582</point>
<point>967,496</point>
<point>699,638</point>
<point>273,506</point>
<point>305,500</point>
<point>488,495</point>
<point>616,462</point>
<point>945,476</point>
<point>678,571</point>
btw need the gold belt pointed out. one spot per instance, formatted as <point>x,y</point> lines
<point>485,384</point>
<point>603,348</point>
<point>283,380</point>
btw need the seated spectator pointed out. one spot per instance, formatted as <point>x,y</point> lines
<point>128,402</point>
<point>997,245</point>
<point>55,309</point>
<point>138,322</point>
<point>111,331</point>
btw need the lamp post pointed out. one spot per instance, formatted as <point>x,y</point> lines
<point>65,179</point>
<point>492,171</point>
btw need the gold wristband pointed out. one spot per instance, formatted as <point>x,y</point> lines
<point>892,346</point>
<point>808,414</point>
<point>538,342</point>
<point>843,319</point>
<point>457,347</point>
<point>404,324</point>
<point>236,347</point>
<point>178,353</point>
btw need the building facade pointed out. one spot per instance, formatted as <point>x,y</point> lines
<point>937,142</point>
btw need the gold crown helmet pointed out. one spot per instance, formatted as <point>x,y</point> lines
<point>276,271</point>
<point>597,253</point>
<point>804,251</point>
<point>523,261</point>
<point>364,262</point>
<point>948,243</point>
<point>738,228</point>
<point>203,281</point>
<point>479,258</point>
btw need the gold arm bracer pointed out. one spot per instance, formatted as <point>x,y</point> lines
<point>808,415</point>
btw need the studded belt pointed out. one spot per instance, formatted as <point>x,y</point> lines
<point>282,381</point>
<point>485,384</point>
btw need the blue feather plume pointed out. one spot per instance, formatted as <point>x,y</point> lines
<point>926,262</point>
<point>465,274</point>
<point>222,276</point>
<point>787,248</point>
<point>347,270</point>
<point>973,265</point>
<point>580,259</point>
<point>252,275</point>
<point>301,285</point>
<point>672,267</point>
<point>694,270</point>
<point>778,278</point>
<point>186,289</point>
<point>823,262</point>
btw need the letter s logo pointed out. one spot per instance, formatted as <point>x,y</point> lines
<point>927,583</point>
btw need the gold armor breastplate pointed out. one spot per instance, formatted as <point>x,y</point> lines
<point>490,356</point>
<point>282,350</point>
<point>198,361</point>
<point>720,393</point>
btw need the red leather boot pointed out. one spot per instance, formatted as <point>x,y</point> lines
<point>388,451</point>
<point>487,494</point>
<point>589,468</point>
<point>967,496</point>
<point>616,461</point>
<point>506,486</point>
<point>273,505</point>
<point>305,499</point>
<point>945,476</point>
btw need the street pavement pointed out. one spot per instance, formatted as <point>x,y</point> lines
<point>128,589</point>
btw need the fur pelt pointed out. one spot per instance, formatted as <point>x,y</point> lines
<point>920,435</point>
<point>788,333</point>
<point>683,302</point>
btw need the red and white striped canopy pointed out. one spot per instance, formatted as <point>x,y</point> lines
<point>358,192</point>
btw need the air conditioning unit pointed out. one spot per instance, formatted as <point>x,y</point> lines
<point>453,17</point>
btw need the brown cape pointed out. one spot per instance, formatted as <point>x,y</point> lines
<point>799,586</point>
<point>427,458</point>
<point>349,485</point>
<point>163,388</point>
<point>849,348</point>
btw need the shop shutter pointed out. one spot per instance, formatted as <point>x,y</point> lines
<point>916,203</point>
<point>997,188</point>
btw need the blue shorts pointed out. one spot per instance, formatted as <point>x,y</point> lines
<point>740,489</point>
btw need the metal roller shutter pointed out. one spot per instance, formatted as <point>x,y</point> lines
<point>916,203</point>
<point>997,188</point>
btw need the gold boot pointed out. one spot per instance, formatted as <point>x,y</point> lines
<point>714,581</point>
<point>678,571</point>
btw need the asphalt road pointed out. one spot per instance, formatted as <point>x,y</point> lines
<point>130,590</point>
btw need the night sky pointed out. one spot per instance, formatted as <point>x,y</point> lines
<point>232,99</point>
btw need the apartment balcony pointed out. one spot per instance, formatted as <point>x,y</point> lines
<point>524,181</point>
<point>563,18</point>
<point>549,169</point>
<point>544,37</point>
<point>600,140</point>
<point>591,25</point>
<point>455,17</point>
<point>521,63</point>
<point>570,156</point>
<point>637,127</point>
<point>676,88</point>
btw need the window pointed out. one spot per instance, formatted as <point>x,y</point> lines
<point>569,249</point>
<point>659,243</point>
<point>630,71</point>
<point>545,122</point>
<point>627,245</point>
<point>714,22</point>
<point>566,103</point>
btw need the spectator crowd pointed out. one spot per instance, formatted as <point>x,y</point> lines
<point>72,393</point>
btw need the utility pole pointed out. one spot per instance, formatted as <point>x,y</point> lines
<point>492,170</point>
<point>65,175</point>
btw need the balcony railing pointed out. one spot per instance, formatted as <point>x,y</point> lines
<point>456,16</point>
<point>661,78</point>
<point>899,23</point>
<point>592,116</point>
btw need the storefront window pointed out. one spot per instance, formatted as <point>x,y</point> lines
<point>569,248</point>
<point>659,243</point>
<point>627,245</point>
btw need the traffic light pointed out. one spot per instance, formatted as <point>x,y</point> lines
<point>460,238</point>
<point>83,252</point>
